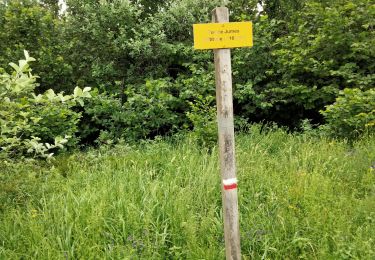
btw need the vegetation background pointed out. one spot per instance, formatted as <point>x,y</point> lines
<point>110,95</point>
<point>139,56</point>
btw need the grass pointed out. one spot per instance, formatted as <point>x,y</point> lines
<point>300,197</point>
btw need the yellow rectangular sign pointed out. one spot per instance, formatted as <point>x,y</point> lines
<point>223,35</point>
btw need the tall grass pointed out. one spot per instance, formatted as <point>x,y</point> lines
<point>300,197</point>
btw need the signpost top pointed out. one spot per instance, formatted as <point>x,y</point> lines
<point>222,35</point>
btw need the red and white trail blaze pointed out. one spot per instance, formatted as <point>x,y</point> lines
<point>230,184</point>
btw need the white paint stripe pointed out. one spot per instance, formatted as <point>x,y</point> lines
<point>230,181</point>
<point>226,124</point>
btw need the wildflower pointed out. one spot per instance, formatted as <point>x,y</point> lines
<point>34,213</point>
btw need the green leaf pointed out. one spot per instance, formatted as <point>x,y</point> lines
<point>78,92</point>
<point>14,66</point>
<point>26,53</point>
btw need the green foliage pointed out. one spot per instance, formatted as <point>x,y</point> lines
<point>252,74</point>
<point>299,198</point>
<point>282,9</point>
<point>155,107</point>
<point>115,43</point>
<point>101,119</point>
<point>203,117</point>
<point>352,114</point>
<point>299,64</point>
<point>33,124</point>
<point>104,51</point>
<point>150,6</point>
<point>150,109</point>
<point>57,115</point>
<point>197,91</point>
<point>29,25</point>
<point>305,52</point>
<point>332,44</point>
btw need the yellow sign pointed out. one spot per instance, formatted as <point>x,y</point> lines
<point>223,35</point>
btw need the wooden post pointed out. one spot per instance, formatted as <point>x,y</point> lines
<point>224,104</point>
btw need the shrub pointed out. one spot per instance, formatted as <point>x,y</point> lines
<point>35,124</point>
<point>30,25</point>
<point>102,119</point>
<point>352,114</point>
<point>151,109</point>
<point>298,65</point>
<point>203,118</point>
<point>148,110</point>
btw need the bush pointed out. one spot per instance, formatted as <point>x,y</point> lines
<point>148,110</point>
<point>298,66</point>
<point>35,125</point>
<point>30,25</point>
<point>102,119</point>
<point>155,107</point>
<point>352,114</point>
<point>151,109</point>
<point>203,118</point>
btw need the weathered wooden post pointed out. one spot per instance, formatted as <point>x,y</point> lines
<point>224,104</point>
<point>220,36</point>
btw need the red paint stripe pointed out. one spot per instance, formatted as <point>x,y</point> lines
<point>230,186</point>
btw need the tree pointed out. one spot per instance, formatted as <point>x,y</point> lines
<point>298,67</point>
<point>52,5</point>
<point>281,9</point>
<point>106,39</point>
<point>27,25</point>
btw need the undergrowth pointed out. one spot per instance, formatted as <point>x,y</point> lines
<point>300,197</point>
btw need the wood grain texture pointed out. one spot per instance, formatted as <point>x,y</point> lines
<point>224,102</point>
